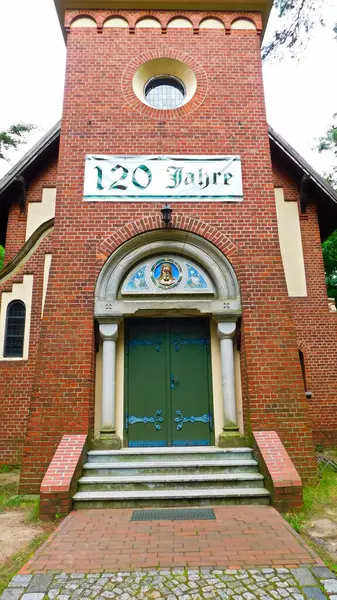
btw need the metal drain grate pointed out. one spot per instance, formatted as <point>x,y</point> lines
<point>174,514</point>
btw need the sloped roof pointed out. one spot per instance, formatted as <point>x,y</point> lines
<point>28,165</point>
<point>288,152</point>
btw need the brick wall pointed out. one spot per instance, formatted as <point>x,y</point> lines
<point>230,120</point>
<point>316,327</point>
<point>16,377</point>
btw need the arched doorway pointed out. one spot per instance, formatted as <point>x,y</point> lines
<point>174,299</point>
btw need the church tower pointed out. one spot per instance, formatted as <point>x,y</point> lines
<point>167,319</point>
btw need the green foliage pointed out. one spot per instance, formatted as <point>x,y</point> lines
<point>12,137</point>
<point>34,513</point>
<point>296,520</point>
<point>330,264</point>
<point>315,499</point>
<point>329,142</point>
<point>297,18</point>
<point>2,256</point>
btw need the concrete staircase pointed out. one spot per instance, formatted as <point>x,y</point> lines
<point>154,477</point>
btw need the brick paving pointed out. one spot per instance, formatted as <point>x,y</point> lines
<point>97,541</point>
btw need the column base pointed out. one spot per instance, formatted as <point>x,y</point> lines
<point>107,440</point>
<point>230,437</point>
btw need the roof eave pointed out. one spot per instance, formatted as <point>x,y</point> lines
<point>30,157</point>
<point>302,164</point>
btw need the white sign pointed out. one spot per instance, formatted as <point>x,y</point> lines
<point>149,178</point>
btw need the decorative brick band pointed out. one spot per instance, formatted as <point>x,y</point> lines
<point>281,477</point>
<point>154,221</point>
<point>59,482</point>
<point>163,16</point>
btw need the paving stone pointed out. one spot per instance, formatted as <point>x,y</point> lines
<point>304,576</point>
<point>330,585</point>
<point>323,573</point>
<point>20,581</point>
<point>174,584</point>
<point>39,583</point>
<point>11,594</point>
<point>315,593</point>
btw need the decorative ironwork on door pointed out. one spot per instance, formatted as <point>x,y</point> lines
<point>180,419</point>
<point>156,420</point>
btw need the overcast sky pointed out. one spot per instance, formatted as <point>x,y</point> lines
<point>301,96</point>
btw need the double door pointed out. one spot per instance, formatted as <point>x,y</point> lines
<point>168,383</point>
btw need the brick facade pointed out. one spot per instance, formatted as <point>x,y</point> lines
<point>100,117</point>
<point>17,376</point>
<point>316,327</point>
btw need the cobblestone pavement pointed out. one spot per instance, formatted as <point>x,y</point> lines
<point>316,583</point>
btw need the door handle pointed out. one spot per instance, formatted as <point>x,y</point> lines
<point>174,382</point>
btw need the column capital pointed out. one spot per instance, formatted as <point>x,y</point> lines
<point>226,330</point>
<point>109,331</point>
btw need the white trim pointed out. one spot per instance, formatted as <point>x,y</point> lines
<point>23,292</point>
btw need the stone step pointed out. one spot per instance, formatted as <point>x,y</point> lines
<point>183,482</point>
<point>174,467</point>
<point>191,453</point>
<point>196,497</point>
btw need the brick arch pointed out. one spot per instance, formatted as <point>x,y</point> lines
<point>303,346</point>
<point>88,14</point>
<point>256,19</point>
<point>153,222</point>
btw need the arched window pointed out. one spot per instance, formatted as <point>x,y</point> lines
<point>15,329</point>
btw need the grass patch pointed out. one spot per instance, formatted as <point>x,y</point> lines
<point>9,468</point>
<point>316,499</point>
<point>8,495</point>
<point>10,499</point>
<point>16,562</point>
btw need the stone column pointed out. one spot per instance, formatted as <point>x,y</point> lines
<point>226,332</point>
<point>109,335</point>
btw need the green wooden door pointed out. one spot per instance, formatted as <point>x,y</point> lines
<point>168,382</point>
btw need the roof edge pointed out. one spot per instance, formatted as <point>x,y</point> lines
<point>29,158</point>
<point>307,169</point>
